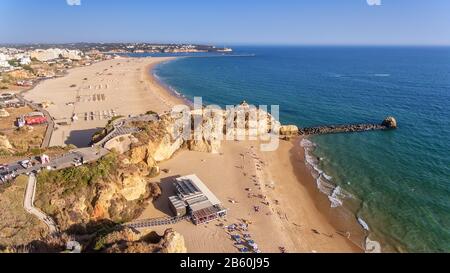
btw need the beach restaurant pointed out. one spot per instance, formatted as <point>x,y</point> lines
<point>193,198</point>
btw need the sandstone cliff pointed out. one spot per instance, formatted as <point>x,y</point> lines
<point>108,189</point>
<point>129,241</point>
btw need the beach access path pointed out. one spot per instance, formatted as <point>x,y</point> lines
<point>28,204</point>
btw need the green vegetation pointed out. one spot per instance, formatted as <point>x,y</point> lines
<point>7,79</point>
<point>17,227</point>
<point>72,182</point>
<point>4,152</point>
<point>75,178</point>
<point>28,68</point>
<point>36,151</point>
<point>154,172</point>
<point>151,113</point>
<point>13,62</point>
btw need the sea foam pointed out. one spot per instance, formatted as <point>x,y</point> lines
<point>324,183</point>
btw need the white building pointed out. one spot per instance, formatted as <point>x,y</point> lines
<point>45,55</point>
<point>55,53</point>
<point>4,61</point>
<point>25,61</point>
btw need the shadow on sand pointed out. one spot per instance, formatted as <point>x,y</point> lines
<point>167,190</point>
<point>81,138</point>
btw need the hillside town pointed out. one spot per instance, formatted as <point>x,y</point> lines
<point>21,65</point>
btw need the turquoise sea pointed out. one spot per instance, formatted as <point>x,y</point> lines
<point>400,180</point>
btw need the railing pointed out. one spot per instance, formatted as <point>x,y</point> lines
<point>155,222</point>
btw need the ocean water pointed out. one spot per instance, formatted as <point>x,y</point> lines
<point>397,182</point>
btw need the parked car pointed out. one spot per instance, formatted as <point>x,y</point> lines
<point>244,250</point>
<point>77,162</point>
<point>7,175</point>
<point>25,163</point>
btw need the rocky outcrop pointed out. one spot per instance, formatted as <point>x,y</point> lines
<point>134,186</point>
<point>120,144</point>
<point>5,144</point>
<point>243,122</point>
<point>129,185</point>
<point>322,130</point>
<point>156,142</point>
<point>288,131</point>
<point>390,122</point>
<point>173,242</point>
<point>4,113</point>
<point>202,130</point>
<point>129,241</point>
<point>165,149</point>
<point>110,189</point>
<point>207,131</point>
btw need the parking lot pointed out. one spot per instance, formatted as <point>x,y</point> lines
<point>73,158</point>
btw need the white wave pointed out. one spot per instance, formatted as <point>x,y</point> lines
<point>381,75</point>
<point>325,186</point>
<point>311,160</point>
<point>363,224</point>
<point>335,202</point>
<point>323,181</point>
<point>307,143</point>
<point>335,197</point>
<point>327,177</point>
<point>372,246</point>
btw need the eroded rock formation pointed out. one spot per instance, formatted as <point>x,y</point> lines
<point>129,241</point>
<point>390,122</point>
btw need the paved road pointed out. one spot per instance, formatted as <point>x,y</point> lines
<point>28,204</point>
<point>65,161</point>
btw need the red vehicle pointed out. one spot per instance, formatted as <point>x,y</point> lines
<point>35,118</point>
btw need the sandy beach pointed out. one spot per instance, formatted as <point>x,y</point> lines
<point>290,213</point>
<point>243,177</point>
<point>96,93</point>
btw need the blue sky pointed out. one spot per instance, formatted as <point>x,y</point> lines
<point>228,22</point>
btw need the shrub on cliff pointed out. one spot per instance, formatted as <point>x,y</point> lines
<point>105,190</point>
<point>80,176</point>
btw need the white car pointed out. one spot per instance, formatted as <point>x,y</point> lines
<point>25,163</point>
<point>77,162</point>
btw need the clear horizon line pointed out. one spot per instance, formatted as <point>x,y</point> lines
<point>231,44</point>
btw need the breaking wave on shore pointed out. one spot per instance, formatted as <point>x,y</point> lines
<point>336,194</point>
